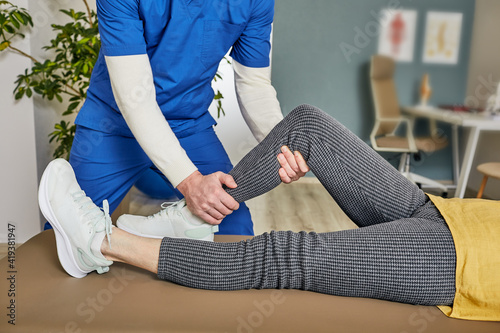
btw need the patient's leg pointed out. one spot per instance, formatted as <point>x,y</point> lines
<point>365,186</point>
<point>134,250</point>
<point>409,260</point>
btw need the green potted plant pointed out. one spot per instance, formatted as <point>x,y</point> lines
<point>66,73</point>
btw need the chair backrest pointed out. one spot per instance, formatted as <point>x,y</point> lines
<point>384,91</point>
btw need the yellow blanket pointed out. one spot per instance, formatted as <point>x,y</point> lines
<point>475,226</point>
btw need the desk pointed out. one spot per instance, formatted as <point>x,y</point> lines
<point>476,123</point>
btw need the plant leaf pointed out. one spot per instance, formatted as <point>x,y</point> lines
<point>4,45</point>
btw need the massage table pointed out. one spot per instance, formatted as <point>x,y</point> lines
<point>128,299</point>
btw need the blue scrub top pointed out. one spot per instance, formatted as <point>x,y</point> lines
<point>185,40</point>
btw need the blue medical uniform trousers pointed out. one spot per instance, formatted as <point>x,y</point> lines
<point>108,165</point>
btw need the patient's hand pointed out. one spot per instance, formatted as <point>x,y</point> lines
<point>293,165</point>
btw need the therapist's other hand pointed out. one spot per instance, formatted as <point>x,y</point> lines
<point>206,198</point>
<point>293,165</point>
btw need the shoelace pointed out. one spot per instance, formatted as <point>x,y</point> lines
<point>168,209</point>
<point>98,219</point>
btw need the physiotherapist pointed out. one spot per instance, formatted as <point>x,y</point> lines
<point>149,94</point>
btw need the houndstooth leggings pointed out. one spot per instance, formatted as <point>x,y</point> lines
<point>403,250</point>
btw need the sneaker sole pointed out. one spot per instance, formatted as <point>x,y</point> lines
<point>64,249</point>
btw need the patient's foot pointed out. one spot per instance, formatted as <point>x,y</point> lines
<point>174,220</point>
<point>79,225</point>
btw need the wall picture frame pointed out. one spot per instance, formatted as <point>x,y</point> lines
<point>443,34</point>
<point>397,34</point>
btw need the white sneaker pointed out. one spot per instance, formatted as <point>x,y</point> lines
<point>79,225</point>
<point>174,220</point>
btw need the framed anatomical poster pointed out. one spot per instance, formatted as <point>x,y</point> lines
<point>442,38</point>
<point>397,34</point>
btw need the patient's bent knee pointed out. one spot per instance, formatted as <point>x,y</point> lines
<point>308,115</point>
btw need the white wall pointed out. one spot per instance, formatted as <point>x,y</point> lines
<point>231,128</point>
<point>18,170</point>
<point>484,74</point>
<point>47,113</point>
<point>25,124</point>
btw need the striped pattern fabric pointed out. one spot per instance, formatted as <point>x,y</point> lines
<point>403,250</point>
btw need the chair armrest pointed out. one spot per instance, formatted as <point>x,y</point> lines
<point>409,132</point>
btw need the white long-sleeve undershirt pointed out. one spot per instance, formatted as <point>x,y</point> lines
<point>257,99</point>
<point>134,92</point>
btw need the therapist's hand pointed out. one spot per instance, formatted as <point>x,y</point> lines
<point>206,198</point>
<point>293,165</point>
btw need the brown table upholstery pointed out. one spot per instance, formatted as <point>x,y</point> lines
<point>131,300</point>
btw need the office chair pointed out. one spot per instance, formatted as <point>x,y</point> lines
<point>388,119</point>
